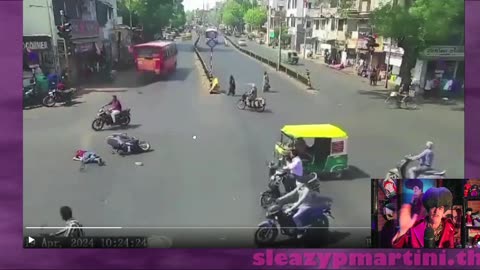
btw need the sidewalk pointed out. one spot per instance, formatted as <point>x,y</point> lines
<point>315,66</point>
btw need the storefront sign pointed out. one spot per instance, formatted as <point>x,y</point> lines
<point>83,29</point>
<point>84,47</point>
<point>37,43</point>
<point>445,51</point>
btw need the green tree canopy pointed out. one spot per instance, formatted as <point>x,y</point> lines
<point>256,17</point>
<point>233,13</point>
<point>419,24</point>
<point>154,15</point>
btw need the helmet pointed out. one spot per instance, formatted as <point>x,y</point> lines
<point>429,145</point>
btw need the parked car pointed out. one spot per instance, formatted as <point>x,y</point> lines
<point>242,42</point>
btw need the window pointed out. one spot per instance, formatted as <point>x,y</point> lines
<point>337,147</point>
<point>317,24</point>
<point>324,22</point>
<point>332,24</point>
<point>341,23</point>
<point>309,24</point>
<point>292,22</point>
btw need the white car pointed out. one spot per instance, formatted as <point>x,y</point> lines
<point>242,42</point>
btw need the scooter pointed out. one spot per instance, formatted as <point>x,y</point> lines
<point>280,222</point>
<point>277,178</point>
<point>400,172</point>
<point>124,144</point>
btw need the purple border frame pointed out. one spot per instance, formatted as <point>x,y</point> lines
<point>14,256</point>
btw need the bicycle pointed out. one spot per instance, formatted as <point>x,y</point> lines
<point>397,100</point>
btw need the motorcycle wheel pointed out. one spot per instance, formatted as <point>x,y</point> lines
<point>49,101</point>
<point>267,199</point>
<point>261,108</point>
<point>241,104</point>
<point>409,104</point>
<point>392,103</point>
<point>126,121</point>
<point>98,124</point>
<point>266,234</point>
<point>145,146</point>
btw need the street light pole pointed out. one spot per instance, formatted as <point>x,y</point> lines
<point>279,45</point>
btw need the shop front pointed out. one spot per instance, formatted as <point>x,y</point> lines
<point>393,61</point>
<point>444,67</point>
<point>38,50</point>
<point>86,48</point>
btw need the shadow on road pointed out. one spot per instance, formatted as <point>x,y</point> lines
<point>354,172</point>
<point>73,103</point>
<point>116,128</point>
<point>181,74</point>
<point>325,241</point>
<point>458,109</point>
<point>374,94</point>
<point>31,107</point>
<point>86,91</point>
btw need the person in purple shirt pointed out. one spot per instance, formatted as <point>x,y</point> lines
<point>115,107</point>
<point>426,161</point>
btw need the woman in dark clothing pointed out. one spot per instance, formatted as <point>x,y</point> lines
<point>231,89</point>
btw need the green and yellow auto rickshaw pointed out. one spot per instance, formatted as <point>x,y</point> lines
<point>290,57</point>
<point>322,148</point>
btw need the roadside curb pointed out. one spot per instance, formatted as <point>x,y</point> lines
<point>214,87</point>
<point>301,77</point>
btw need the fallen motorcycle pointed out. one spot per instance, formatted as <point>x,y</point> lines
<point>258,104</point>
<point>124,144</point>
<point>104,118</point>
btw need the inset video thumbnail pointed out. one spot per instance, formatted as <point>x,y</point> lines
<point>419,213</point>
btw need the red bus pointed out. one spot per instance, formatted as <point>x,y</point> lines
<point>156,57</point>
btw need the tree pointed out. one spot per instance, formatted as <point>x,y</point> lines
<point>417,25</point>
<point>123,9</point>
<point>255,17</point>
<point>233,13</point>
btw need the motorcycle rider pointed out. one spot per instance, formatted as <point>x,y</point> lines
<point>115,107</point>
<point>252,94</point>
<point>295,167</point>
<point>426,161</point>
<point>308,201</point>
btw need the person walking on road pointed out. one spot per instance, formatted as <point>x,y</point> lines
<point>73,228</point>
<point>266,82</point>
<point>231,89</point>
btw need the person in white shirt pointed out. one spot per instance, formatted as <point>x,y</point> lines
<point>428,87</point>
<point>295,167</point>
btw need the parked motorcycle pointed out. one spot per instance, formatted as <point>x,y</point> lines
<point>104,118</point>
<point>55,96</point>
<point>258,104</point>
<point>400,172</point>
<point>280,222</point>
<point>124,144</point>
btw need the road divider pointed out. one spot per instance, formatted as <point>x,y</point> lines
<point>214,82</point>
<point>301,77</point>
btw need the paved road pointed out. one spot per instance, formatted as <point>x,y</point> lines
<point>379,137</point>
<point>207,182</point>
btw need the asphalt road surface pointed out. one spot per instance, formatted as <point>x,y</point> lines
<point>203,179</point>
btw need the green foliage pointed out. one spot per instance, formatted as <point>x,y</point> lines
<point>424,23</point>
<point>233,13</point>
<point>123,10</point>
<point>419,24</point>
<point>153,15</point>
<point>256,17</point>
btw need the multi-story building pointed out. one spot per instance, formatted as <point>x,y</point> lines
<point>40,33</point>
<point>274,11</point>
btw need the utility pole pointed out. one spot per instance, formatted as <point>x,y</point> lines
<point>388,62</point>
<point>304,28</point>
<point>65,49</point>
